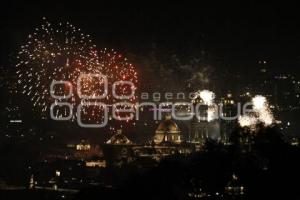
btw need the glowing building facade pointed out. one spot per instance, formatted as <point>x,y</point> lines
<point>167,131</point>
<point>167,140</point>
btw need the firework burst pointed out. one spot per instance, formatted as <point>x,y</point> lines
<point>207,97</point>
<point>62,53</point>
<point>118,68</point>
<point>261,114</point>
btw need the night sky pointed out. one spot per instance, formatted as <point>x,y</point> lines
<point>238,34</point>
<point>234,36</point>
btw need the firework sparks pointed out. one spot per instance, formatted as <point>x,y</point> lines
<point>261,106</point>
<point>259,102</point>
<point>62,52</point>
<point>261,114</point>
<point>118,68</point>
<point>208,98</point>
<point>54,53</point>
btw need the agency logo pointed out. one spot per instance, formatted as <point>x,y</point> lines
<point>204,110</point>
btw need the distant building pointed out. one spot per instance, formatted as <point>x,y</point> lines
<point>167,131</point>
<point>118,150</point>
<point>96,163</point>
<point>285,97</point>
<point>227,123</point>
<point>167,140</point>
<point>83,150</point>
<point>203,128</point>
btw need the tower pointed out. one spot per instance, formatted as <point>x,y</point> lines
<point>205,124</point>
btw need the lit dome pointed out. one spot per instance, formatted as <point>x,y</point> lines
<point>167,126</point>
<point>167,131</point>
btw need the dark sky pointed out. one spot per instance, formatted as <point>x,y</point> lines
<point>240,34</point>
<point>237,34</point>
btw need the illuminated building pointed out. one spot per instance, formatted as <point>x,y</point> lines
<point>234,187</point>
<point>167,131</point>
<point>96,163</point>
<point>203,128</point>
<point>83,147</point>
<point>119,139</point>
<point>32,182</point>
<point>118,150</point>
<point>83,150</point>
<point>227,125</point>
<point>13,120</point>
<point>285,92</point>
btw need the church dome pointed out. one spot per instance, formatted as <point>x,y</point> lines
<point>167,126</point>
<point>167,131</point>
